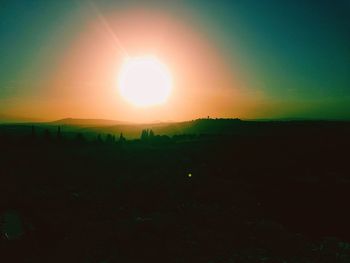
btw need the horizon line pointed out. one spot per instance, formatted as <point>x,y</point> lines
<point>9,120</point>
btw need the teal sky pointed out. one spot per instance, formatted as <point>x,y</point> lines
<point>296,52</point>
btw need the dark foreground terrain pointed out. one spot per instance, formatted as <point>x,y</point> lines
<point>272,192</point>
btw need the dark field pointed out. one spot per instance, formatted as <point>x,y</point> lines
<point>240,192</point>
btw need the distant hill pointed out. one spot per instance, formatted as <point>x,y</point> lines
<point>235,127</point>
<point>199,126</point>
<point>132,130</point>
<point>86,122</point>
<point>206,127</point>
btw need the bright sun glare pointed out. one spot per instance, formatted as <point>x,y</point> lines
<point>144,81</point>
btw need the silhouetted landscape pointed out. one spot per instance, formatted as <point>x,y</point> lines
<point>197,131</point>
<point>208,190</point>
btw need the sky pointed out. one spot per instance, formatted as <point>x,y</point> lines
<point>251,59</point>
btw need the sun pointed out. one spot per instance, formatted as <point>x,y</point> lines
<point>144,81</point>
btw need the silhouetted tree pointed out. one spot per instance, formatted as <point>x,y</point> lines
<point>33,132</point>
<point>121,138</point>
<point>109,138</point>
<point>59,133</point>
<point>151,134</point>
<point>99,138</point>
<point>144,135</point>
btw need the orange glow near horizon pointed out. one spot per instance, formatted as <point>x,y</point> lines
<point>84,85</point>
